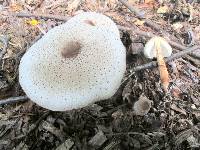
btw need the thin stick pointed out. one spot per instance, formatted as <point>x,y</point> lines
<point>46,16</point>
<point>149,35</point>
<point>13,100</point>
<point>33,126</point>
<point>140,15</point>
<point>154,63</point>
<point>65,18</point>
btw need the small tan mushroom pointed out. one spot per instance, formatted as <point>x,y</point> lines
<point>150,50</point>
<point>72,66</point>
<point>159,48</point>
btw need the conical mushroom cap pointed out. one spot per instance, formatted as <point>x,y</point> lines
<point>150,50</point>
<point>96,19</point>
<point>72,66</point>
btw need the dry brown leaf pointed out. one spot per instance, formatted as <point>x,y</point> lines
<point>132,2</point>
<point>66,145</point>
<point>98,139</point>
<point>197,33</point>
<point>15,7</point>
<point>177,26</point>
<point>149,1</point>
<point>163,10</point>
<point>191,10</point>
<point>112,3</point>
<point>73,4</point>
<point>176,92</point>
<point>139,22</point>
<point>174,107</point>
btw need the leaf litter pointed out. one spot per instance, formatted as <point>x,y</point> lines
<point>172,122</point>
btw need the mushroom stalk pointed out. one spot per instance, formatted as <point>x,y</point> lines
<point>164,75</point>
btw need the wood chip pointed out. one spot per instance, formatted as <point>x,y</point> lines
<point>112,145</point>
<point>193,142</point>
<point>66,145</point>
<point>98,139</point>
<point>21,146</point>
<point>3,84</point>
<point>52,129</point>
<point>73,5</point>
<point>174,107</point>
<point>184,135</point>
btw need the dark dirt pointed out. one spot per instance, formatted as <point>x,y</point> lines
<point>173,121</point>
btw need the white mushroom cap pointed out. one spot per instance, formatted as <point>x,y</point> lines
<point>72,66</point>
<point>96,19</point>
<point>150,50</point>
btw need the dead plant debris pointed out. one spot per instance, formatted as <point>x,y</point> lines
<point>171,122</point>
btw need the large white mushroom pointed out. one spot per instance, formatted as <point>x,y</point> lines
<point>73,65</point>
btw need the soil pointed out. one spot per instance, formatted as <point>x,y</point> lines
<point>173,120</point>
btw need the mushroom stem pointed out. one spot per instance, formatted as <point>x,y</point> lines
<point>164,75</point>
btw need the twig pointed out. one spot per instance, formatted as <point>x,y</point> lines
<point>195,55</point>
<point>133,9</point>
<point>145,137</point>
<point>13,100</point>
<point>33,126</point>
<point>46,16</point>
<point>182,53</point>
<point>140,15</point>
<point>63,18</point>
<point>154,63</point>
<point>149,35</point>
<point>184,49</point>
<point>5,40</point>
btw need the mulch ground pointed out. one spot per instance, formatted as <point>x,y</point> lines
<point>173,121</point>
